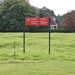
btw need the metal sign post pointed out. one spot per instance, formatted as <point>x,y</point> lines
<point>24,38</point>
<point>49,35</point>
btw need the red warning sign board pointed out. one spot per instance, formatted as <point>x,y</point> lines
<point>36,21</point>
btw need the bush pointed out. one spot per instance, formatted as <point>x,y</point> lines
<point>40,30</point>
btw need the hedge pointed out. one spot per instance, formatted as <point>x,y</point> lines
<point>52,31</point>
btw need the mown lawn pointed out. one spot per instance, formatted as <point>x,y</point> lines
<point>36,60</point>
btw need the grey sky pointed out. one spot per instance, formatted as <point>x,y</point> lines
<point>58,6</point>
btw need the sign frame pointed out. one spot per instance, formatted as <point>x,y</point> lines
<point>35,25</point>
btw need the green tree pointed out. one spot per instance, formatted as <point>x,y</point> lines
<point>59,20</point>
<point>13,12</point>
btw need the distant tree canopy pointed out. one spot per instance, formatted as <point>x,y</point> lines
<point>69,20</point>
<point>13,12</point>
<point>59,20</point>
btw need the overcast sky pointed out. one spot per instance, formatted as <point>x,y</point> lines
<point>58,6</point>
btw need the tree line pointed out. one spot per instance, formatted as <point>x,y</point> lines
<point>13,12</point>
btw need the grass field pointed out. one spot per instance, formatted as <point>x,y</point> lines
<point>36,60</point>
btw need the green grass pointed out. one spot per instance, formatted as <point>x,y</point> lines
<point>36,60</point>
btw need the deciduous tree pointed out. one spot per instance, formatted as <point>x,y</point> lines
<point>13,12</point>
<point>69,20</point>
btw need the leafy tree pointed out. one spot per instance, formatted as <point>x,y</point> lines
<point>65,26</point>
<point>41,14</point>
<point>69,20</point>
<point>13,12</point>
<point>59,20</point>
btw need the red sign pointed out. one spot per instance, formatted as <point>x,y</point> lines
<point>36,21</point>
